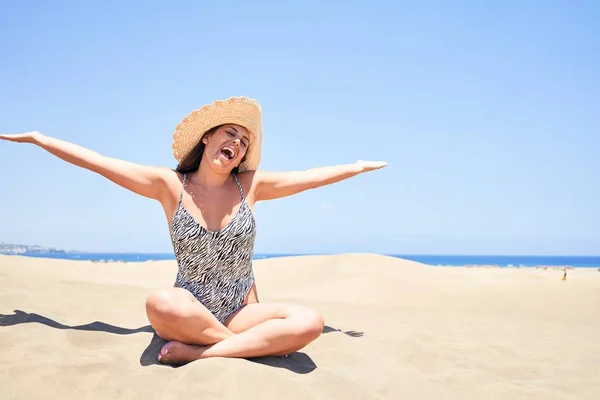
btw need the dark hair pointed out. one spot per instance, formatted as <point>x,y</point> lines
<point>191,162</point>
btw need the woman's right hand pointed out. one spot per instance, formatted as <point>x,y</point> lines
<point>27,137</point>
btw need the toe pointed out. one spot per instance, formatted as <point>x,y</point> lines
<point>166,351</point>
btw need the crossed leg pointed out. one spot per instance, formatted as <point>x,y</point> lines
<point>255,330</point>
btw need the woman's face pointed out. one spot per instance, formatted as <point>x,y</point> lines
<point>227,146</point>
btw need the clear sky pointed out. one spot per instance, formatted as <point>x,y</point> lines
<point>488,116</point>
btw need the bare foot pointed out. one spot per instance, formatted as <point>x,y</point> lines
<point>180,353</point>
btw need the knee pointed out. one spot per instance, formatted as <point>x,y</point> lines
<point>162,304</point>
<point>310,324</point>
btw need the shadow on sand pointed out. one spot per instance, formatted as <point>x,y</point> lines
<point>297,362</point>
<point>21,317</point>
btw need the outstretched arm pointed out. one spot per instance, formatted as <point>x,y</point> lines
<point>144,180</point>
<point>273,185</point>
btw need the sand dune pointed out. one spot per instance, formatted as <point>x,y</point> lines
<point>395,329</point>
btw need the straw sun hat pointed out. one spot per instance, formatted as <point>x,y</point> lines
<point>234,110</point>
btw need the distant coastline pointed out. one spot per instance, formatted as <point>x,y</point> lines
<point>23,249</point>
<point>481,261</point>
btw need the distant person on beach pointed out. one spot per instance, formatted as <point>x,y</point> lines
<point>213,310</point>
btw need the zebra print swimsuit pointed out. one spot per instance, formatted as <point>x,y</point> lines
<point>215,266</point>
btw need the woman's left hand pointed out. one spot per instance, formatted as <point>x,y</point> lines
<point>371,165</point>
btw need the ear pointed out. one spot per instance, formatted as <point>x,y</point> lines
<point>205,140</point>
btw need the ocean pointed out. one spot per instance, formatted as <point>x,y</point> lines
<point>435,260</point>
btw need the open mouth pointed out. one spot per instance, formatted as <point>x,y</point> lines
<point>228,152</point>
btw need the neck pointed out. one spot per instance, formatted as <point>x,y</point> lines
<point>208,178</point>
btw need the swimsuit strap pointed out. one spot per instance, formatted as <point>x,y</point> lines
<point>182,186</point>
<point>239,185</point>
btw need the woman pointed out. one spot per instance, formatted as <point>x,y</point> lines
<point>213,308</point>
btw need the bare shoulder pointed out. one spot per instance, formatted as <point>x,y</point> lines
<point>248,180</point>
<point>254,177</point>
<point>172,181</point>
<point>172,178</point>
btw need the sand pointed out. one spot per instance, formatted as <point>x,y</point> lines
<point>395,329</point>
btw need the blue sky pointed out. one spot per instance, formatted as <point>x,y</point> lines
<point>486,114</point>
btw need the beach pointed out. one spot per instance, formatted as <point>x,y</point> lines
<point>394,329</point>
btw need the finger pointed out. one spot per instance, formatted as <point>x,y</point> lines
<point>12,137</point>
<point>378,164</point>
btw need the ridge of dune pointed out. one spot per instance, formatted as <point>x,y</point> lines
<point>394,329</point>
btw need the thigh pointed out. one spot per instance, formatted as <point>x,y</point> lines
<point>171,301</point>
<point>253,314</point>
